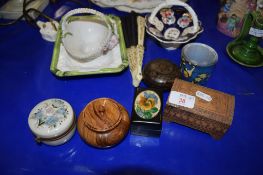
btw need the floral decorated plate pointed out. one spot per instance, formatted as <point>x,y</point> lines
<point>139,6</point>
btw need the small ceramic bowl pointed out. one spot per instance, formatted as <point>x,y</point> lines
<point>173,23</point>
<point>52,122</point>
<point>86,40</point>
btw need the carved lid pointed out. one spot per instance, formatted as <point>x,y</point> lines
<point>160,73</point>
<point>101,115</point>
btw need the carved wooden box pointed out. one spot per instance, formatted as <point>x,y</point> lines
<point>200,108</point>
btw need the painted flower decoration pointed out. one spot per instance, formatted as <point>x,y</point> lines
<point>147,104</point>
<point>50,114</point>
<point>167,16</point>
<point>58,104</point>
<point>184,21</point>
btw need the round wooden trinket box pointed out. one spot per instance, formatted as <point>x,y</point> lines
<point>103,123</point>
<point>160,73</point>
<point>52,122</point>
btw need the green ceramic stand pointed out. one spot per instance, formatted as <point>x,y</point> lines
<point>245,49</point>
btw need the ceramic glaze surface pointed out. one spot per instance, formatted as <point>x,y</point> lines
<point>197,62</point>
<point>48,31</point>
<point>173,23</point>
<point>83,34</point>
<point>115,60</point>
<point>51,118</point>
<point>88,39</point>
<point>231,15</point>
<point>62,140</point>
<point>147,104</point>
<point>200,54</point>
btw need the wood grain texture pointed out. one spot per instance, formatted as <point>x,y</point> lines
<point>213,117</point>
<point>103,123</point>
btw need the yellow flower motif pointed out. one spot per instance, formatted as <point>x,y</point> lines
<point>202,75</point>
<point>200,78</point>
<point>188,72</point>
<point>146,103</point>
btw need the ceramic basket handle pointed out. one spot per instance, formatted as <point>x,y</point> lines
<point>84,11</point>
<point>104,43</point>
<point>168,3</point>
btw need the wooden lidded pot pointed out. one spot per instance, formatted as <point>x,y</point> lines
<point>103,123</point>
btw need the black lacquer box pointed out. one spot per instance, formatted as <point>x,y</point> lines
<point>146,113</point>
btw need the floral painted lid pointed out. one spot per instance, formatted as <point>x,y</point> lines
<point>147,104</point>
<point>51,118</point>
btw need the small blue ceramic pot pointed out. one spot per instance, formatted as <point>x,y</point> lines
<point>197,62</point>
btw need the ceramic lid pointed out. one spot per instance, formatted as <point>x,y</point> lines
<point>102,114</point>
<point>160,73</point>
<point>51,118</point>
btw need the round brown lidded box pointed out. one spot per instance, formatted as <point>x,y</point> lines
<point>160,73</point>
<point>103,123</point>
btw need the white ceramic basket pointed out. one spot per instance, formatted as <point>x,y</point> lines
<point>52,122</point>
<point>172,38</point>
<point>86,40</point>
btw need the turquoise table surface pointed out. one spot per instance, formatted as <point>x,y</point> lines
<point>26,79</point>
